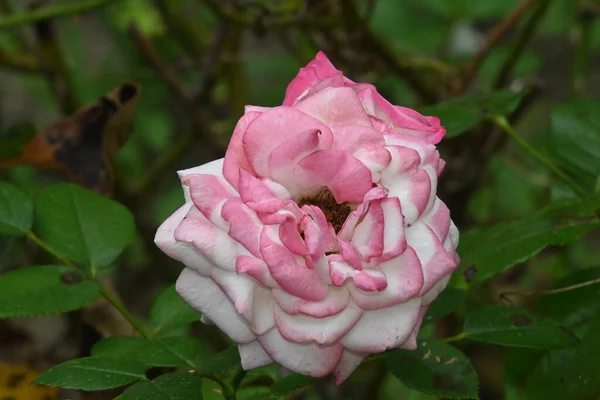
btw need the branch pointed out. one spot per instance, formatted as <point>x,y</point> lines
<point>51,12</point>
<point>157,64</point>
<point>519,44</point>
<point>19,61</point>
<point>492,39</point>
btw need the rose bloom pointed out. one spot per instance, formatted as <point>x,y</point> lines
<point>319,238</point>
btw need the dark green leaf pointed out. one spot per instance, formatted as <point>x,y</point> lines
<point>493,250</point>
<point>449,300</point>
<point>575,139</point>
<point>82,225</point>
<point>170,311</point>
<point>291,383</point>
<point>435,368</point>
<point>547,380</point>
<point>221,362</point>
<point>93,373</point>
<point>16,211</point>
<point>460,114</point>
<point>42,290</point>
<point>167,352</point>
<point>514,326</point>
<point>173,386</point>
<point>573,306</point>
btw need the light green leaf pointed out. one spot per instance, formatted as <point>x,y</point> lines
<point>16,211</point>
<point>167,352</point>
<point>460,114</point>
<point>493,250</point>
<point>173,386</point>
<point>171,312</point>
<point>82,225</point>
<point>435,368</point>
<point>514,326</point>
<point>93,373</point>
<point>41,290</point>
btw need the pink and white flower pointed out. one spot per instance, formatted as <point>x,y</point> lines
<point>319,238</point>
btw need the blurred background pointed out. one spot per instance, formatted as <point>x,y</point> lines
<point>192,66</point>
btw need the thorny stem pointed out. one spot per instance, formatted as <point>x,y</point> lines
<point>105,293</point>
<point>503,124</point>
<point>51,12</point>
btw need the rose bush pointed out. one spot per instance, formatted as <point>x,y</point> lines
<point>319,238</point>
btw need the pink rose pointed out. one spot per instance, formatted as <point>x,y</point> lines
<point>318,239</point>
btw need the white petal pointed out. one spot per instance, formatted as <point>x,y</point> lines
<point>181,251</point>
<point>301,328</point>
<point>383,329</point>
<point>212,168</point>
<point>239,288</point>
<point>307,359</point>
<point>263,318</point>
<point>253,355</point>
<point>207,297</point>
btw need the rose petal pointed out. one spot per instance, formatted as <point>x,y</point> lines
<point>320,68</point>
<point>235,157</point>
<point>252,355</point>
<point>204,295</point>
<point>334,303</point>
<point>348,363</point>
<point>211,168</point>
<point>245,227</point>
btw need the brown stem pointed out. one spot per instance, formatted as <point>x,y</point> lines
<point>492,39</point>
<point>19,61</point>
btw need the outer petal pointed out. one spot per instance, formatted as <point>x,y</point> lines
<point>411,341</point>
<point>211,168</point>
<point>317,70</point>
<point>181,251</point>
<point>208,192</point>
<point>336,107</point>
<point>383,329</point>
<point>334,303</point>
<point>253,356</point>
<point>307,359</point>
<point>205,296</point>
<point>235,157</point>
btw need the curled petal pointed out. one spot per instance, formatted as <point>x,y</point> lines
<point>208,192</point>
<point>211,168</point>
<point>334,303</point>
<point>206,296</point>
<point>301,328</point>
<point>253,189</point>
<point>438,219</point>
<point>316,71</point>
<point>256,268</point>
<point>235,157</point>
<point>289,270</point>
<point>274,127</point>
<point>304,358</point>
<point>369,280</point>
<point>245,227</point>
<point>347,178</point>
<point>383,329</point>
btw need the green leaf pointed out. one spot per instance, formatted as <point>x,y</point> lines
<point>573,306</point>
<point>16,211</point>
<point>460,114</point>
<point>292,383</point>
<point>173,386</point>
<point>514,326</point>
<point>221,362</point>
<point>167,352</point>
<point>575,139</point>
<point>495,249</point>
<point>448,301</point>
<point>93,373</point>
<point>41,290</point>
<point>82,225</point>
<point>435,368</point>
<point>171,312</point>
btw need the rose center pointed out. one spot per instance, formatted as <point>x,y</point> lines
<point>335,213</point>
